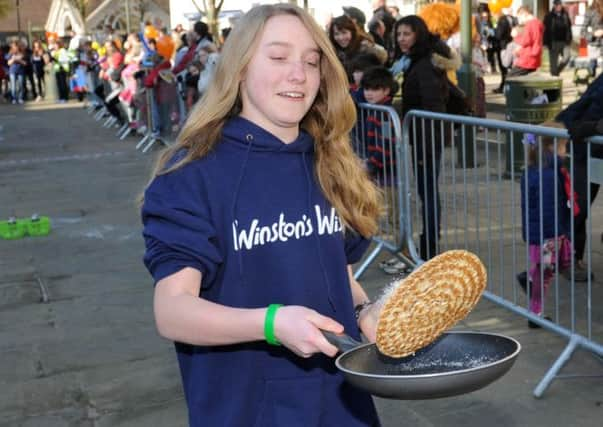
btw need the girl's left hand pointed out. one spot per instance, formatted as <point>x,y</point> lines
<point>368,319</point>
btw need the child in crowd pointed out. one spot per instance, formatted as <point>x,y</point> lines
<point>546,231</point>
<point>359,65</point>
<point>208,57</point>
<point>378,86</point>
<point>191,80</point>
<point>480,66</point>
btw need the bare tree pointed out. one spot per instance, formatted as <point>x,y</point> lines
<point>143,7</point>
<point>82,8</point>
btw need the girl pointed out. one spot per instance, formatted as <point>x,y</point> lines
<point>132,60</point>
<point>38,62</point>
<point>282,227</point>
<point>546,231</point>
<point>349,42</point>
<point>480,66</point>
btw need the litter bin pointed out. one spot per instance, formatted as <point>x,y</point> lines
<point>530,99</point>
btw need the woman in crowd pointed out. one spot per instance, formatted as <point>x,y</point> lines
<point>349,42</point>
<point>425,59</point>
<point>16,71</point>
<point>226,250</point>
<point>39,57</point>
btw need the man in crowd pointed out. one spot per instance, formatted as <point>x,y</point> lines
<point>558,37</point>
<point>529,51</point>
<point>382,13</point>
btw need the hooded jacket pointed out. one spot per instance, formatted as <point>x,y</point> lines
<point>250,216</point>
<point>530,40</point>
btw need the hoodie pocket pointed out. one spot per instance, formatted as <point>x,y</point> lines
<point>291,402</point>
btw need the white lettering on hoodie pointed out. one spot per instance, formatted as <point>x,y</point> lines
<point>258,234</point>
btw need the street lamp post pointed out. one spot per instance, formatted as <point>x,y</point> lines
<point>467,82</point>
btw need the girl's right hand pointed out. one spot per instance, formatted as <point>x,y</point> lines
<point>298,329</point>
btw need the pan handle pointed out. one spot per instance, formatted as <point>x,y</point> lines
<point>342,341</point>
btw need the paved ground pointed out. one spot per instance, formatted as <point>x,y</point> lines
<point>90,356</point>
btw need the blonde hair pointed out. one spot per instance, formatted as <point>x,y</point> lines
<point>329,121</point>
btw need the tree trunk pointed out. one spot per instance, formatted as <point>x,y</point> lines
<point>212,20</point>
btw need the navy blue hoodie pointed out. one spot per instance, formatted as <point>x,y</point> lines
<point>251,218</point>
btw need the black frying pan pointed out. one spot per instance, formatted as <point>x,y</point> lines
<point>456,363</point>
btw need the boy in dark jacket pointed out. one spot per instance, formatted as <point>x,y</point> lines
<point>377,87</point>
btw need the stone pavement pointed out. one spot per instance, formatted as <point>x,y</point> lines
<point>90,356</point>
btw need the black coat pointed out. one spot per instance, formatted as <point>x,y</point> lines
<point>582,116</point>
<point>557,27</point>
<point>503,30</point>
<point>425,87</point>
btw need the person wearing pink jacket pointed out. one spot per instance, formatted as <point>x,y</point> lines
<point>529,51</point>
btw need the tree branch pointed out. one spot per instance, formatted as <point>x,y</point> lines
<point>197,6</point>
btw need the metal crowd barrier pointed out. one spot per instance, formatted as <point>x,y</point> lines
<point>379,127</point>
<point>157,112</point>
<point>161,113</point>
<point>475,165</point>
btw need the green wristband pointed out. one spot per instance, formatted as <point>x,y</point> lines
<point>269,324</point>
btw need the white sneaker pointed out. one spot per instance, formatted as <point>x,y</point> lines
<point>20,101</point>
<point>394,266</point>
<point>397,268</point>
<point>14,101</point>
<point>38,98</point>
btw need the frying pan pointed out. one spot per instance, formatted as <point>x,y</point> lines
<point>455,363</point>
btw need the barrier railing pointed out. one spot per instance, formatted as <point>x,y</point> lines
<point>162,112</point>
<point>477,205</point>
<point>376,138</point>
<point>155,113</point>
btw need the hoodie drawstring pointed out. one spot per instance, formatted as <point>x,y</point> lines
<point>316,238</point>
<point>249,138</point>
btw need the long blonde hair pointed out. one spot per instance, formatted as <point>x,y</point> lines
<point>329,121</point>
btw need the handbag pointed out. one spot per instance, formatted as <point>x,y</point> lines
<point>458,103</point>
<point>507,55</point>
